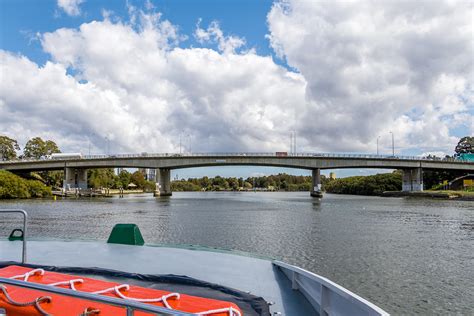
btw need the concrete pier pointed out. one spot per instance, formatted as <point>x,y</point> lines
<point>75,178</point>
<point>412,180</point>
<point>316,190</point>
<point>163,182</point>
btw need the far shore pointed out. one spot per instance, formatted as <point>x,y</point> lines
<point>441,194</point>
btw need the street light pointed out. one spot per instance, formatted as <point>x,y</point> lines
<point>106,145</point>
<point>393,145</point>
<point>378,137</point>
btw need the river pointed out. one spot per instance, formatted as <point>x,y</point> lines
<point>406,255</point>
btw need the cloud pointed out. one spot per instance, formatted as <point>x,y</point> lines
<point>71,7</point>
<point>373,67</point>
<point>214,34</point>
<point>131,83</point>
<point>360,71</point>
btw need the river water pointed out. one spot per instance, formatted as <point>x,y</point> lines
<point>406,255</point>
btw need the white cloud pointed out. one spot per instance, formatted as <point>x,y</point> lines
<point>142,92</point>
<point>364,69</point>
<point>379,66</point>
<point>71,7</point>
<point>214,34</point>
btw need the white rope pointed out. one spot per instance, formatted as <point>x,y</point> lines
<point>70,283</point>
<point>116,289</point>
<point>232,311</point>
<point>26,275</point>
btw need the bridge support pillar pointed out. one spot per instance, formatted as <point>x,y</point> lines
<point>75,179</point>
<point>412,179</point>
<point>316,187</point>
<point>163,182</point>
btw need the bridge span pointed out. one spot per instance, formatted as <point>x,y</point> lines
<point>76,169</point>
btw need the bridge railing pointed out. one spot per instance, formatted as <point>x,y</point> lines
<point>258,154</point>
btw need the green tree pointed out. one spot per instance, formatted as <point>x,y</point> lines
<point>37,148</point>
<point>124,179</point>
<point>101,178</point>
<point>465,145</point>
<point>8,148</point>
<point>15,187</point>
<point>366,185</point>
<point>138,179</point>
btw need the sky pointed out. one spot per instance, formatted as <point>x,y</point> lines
<point>238,76</point>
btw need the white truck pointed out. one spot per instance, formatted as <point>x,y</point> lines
<point>64,156</point>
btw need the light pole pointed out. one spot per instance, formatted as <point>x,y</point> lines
<point>106,145</point>
<point>393,145</point>
<point>378,137</point>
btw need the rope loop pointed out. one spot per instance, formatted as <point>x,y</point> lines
<point>115,289</point>
<point>36,303</point>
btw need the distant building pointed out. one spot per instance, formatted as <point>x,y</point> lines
<point>151,174</point>
<point>332,175</point>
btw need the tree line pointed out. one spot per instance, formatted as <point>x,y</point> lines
<point>279,182</point>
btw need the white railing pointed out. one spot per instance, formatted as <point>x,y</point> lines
<point>253,154</point>
<point>327,297</point>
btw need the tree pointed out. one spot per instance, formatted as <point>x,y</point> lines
<point>37,148</point>
<point>8,148</point>
<point>138,179</point>
<point>465,145</point>
<point>124,179</point>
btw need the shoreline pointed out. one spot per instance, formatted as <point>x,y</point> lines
<point>443,195</point>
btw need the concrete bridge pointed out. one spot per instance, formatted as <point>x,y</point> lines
<point>76,169</point>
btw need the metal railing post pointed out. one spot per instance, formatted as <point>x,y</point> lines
<point>25,219</point>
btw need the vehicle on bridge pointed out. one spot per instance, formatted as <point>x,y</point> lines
<point>64,156</point>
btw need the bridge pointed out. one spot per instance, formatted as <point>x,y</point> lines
<point>75,170</point>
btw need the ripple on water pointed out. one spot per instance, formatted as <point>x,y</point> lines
<point>406,255</point>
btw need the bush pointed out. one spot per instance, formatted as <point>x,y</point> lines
<point>15,187</point>
<point>369,185</point>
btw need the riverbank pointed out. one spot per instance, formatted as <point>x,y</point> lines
<point>447,195</point>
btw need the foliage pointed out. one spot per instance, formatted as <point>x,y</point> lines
<point>37,148</point>
<point>433,179</point>
<point>183,185</point>
<point>100,178</point>
<point>465,145</point>
<point>366,185</point>
<point>106,178</point>
<point>123,179</point>
<point>14,187</point>
<point>8,148</point>
<point>138,179</point>
<point>281,181</point>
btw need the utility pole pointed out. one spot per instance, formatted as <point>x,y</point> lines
<point>291,142</point>
<point>106,145</point>
<point>378,137</point>
<point>393,145</point>
<point>180,143</point>
<point>294,142</point>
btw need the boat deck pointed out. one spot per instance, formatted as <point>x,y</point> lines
<point>248,274</point>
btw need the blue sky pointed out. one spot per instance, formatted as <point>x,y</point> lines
<point>22,19</point>
<point>238,76</point>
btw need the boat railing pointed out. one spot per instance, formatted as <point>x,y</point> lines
<point>25,220</point>
<point>130,305</point>
<point>327,297</point>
